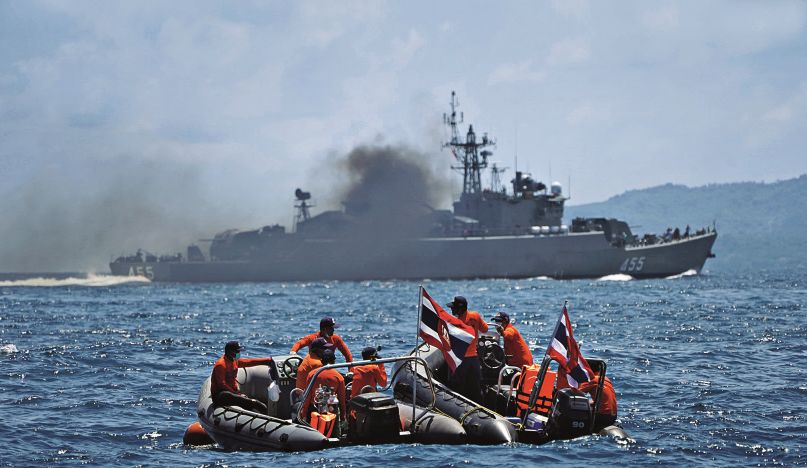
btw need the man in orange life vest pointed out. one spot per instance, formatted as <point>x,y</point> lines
<point>326,331</point>
<point>369,374</point>
<point>223,381</point>
<point>515,348</point>
<point>329,377</point>
<point>311,362</point>
<point>468,375</point>
<point>606,411</point>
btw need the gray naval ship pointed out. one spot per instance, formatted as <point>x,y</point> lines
<point>490,233</point>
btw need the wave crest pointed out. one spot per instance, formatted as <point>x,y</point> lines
<point>89,281</point>
<point>616,277</point>
<point>690,272</point>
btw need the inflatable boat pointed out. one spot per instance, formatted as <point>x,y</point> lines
<point>518,404</point>
<point>375,417</point>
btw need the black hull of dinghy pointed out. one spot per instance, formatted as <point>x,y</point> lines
<point>482,425</point>
<point>233,428</point>
<point>431,427</point>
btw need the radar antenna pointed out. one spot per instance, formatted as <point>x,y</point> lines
<point>467,153</point>
<point>302,206</point>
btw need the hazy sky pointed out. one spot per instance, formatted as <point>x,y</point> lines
<point>225,107</point>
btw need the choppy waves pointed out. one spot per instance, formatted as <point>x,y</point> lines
<point>110,375</point>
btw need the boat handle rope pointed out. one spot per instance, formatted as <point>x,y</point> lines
<point>252,418</point>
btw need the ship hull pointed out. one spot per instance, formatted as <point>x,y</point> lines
<point>566,256</point>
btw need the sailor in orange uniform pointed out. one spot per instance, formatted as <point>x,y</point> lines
<point>326,329</point>
<point>223,381</point>
<point>468,376</point>
<point>515,348</point>
<point>368,375</point>
<point>311,362</point>
<point>606,411</point>
<point>328,377</point>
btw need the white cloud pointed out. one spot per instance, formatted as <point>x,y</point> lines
<point>569,52</point>
<point>404,50</point>
<point>587,112</point>
<point>664,19</point>
<point>790,109</point>
<point>575,8</point>
<point>323,22</point>
<point>516,72</point>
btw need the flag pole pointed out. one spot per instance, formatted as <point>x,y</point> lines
<point>539,380</point>
<point>415,363</point>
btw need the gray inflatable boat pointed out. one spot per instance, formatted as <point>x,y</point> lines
<point>570,414</point>
<point>376,417</point>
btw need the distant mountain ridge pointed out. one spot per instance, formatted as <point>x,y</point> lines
<point>759,225</point>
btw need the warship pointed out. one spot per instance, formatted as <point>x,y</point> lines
<point>491,232</point>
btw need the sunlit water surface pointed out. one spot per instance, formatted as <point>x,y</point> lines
<point>708,369</point>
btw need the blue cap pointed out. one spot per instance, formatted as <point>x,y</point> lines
<point>320,343</point>
<point>328,322</point>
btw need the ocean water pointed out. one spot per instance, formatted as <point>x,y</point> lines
<point>708,369</point>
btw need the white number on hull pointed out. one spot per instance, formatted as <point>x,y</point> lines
<point>632,264</point>
<point>147,271</point>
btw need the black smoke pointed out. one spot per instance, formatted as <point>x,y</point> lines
<point>392,189</point>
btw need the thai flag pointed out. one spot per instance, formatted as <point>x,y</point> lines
<point>572,366</point>
<point>444,331</point>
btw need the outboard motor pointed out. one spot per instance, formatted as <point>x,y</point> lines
<point>373,417</point>
<point>571,414</point>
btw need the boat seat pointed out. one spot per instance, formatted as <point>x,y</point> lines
<point>498,400</point>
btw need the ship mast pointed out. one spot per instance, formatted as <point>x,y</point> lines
<point>467,153</point>
<point>495,179</point>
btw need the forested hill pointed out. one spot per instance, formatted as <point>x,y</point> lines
<point>759,225</point>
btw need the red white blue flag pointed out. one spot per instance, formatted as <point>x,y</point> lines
<point>444,331</point>
<point>573,369</point>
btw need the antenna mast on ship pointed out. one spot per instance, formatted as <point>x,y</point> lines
<point>467,153</point>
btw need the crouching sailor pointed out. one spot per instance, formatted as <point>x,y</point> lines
<point>223,381</point>
<point>606,410</point>
<point>368,376</point>
<point>326,378</point>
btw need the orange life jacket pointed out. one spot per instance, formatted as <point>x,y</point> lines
<point>324,423</point>
<point>524,386</point>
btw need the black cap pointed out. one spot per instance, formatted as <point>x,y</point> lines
<point>320,343</point>
<point>328,322</point>
<point>369,352</point>
<point>232,346</point>
<point>458,301</point>
<point>501,317</point>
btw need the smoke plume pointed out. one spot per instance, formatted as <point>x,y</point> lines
<point>389,189</point>
<point>63,222</point>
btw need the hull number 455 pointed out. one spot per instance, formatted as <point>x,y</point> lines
<point>146,271</point>
<point>632,264</point>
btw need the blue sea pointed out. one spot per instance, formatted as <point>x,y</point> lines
<point>709,369</point>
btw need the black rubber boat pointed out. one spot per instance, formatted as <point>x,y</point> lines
<point>497,418</point>
<point>383,418</point>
